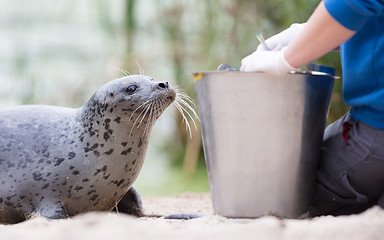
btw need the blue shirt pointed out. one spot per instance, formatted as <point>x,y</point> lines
<point>362,57</point>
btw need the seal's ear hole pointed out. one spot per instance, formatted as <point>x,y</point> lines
<point>111,94</point>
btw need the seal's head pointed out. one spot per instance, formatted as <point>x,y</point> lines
<point>141,99</point>
<point>133,94</point>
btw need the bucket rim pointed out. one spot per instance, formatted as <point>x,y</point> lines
<point>199,75</point>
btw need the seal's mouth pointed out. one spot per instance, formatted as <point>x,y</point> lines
<point>165,97</point>
<point>170,94</point>
<point>150,110</point>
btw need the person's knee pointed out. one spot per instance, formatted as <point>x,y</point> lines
<point>380,201</point>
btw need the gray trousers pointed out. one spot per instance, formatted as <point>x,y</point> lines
<point>350,176</point>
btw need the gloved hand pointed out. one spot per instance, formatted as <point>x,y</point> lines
<point>266,61</point>
<point>281,40</point>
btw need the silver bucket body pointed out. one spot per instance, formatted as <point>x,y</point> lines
<point>262,136</point>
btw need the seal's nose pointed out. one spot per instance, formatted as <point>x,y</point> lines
<point>163,85</point>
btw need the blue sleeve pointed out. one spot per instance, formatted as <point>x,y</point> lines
<point>353,14</point>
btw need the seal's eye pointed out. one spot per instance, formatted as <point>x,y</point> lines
<point>131,89</point>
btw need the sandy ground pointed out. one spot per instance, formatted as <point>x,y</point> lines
<point>368,225</point>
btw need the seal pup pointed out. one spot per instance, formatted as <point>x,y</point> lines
<point>57,162</point>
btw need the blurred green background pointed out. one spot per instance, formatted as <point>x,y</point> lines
<point>59,52</point>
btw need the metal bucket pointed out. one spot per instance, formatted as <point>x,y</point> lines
<point>262,135</point>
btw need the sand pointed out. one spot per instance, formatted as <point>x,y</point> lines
<point>113,226</point>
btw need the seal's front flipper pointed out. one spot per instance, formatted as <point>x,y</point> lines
<point>51,209</point>
<point>131,204</point>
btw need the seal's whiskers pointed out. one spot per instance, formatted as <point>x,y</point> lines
<point>186,110</point>
<point>126,73</point>
<point>162,107</point>
<point>151,109</point>
<point>182,110</point>
<point>185,96</point>
<point>150,118</point>
<point>141,105</point>
<point>148,109</point>
<point>141,70</point>
<point>141,115</point>
<point>144,106</point>
<point>156,107</point>
<point>182,103</point>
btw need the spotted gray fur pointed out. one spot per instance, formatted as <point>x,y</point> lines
<point>57,162</point>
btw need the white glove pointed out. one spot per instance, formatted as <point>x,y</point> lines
<point>266,61</point>
<point>281,40</point>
